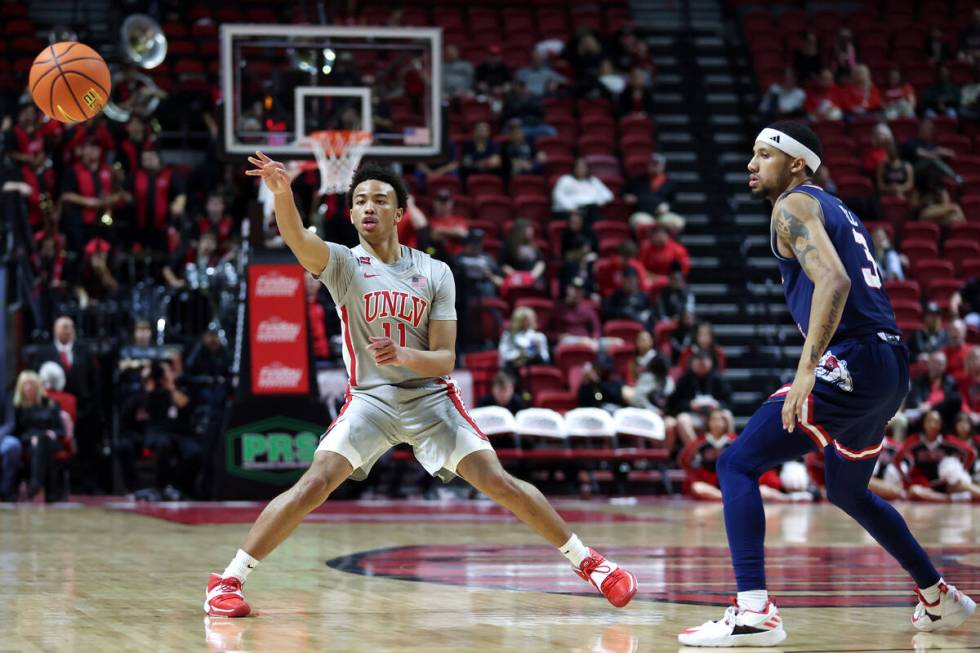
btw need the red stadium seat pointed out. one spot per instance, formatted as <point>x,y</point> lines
<point>625,329</point>
<point>543,308</point>
<point>561,401</point>
<point>970,270</point>
<point>477,185</point>
<point>554,146</point>
<point>907,310</point>
<point>542,378</point>
<point>495,208</point>
<point>961,250</point>
<point>874,226</point>
<point>491,313</point>
<point>558,165</point>
<point>533,207</point>
<point>941,290</point>
<point>971,208</point>
<point>854,186</point>
<point>903,291</point>
<point>622,356</point>
<point>603,165</point>
<point>574,355</point>
<point>919,231</point>
<point>482,366</point>
<point>965,231</point>
<point>436,183</point>
<point>611,229</point>
<point>928,270</point>
<point>528,185</point>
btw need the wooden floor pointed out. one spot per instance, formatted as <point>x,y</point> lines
<point>453,577</point>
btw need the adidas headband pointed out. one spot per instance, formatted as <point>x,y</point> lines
<point>789,145</point>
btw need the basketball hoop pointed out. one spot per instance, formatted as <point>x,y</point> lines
<point>337,154</point>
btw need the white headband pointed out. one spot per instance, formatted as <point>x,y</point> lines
<point>786,143</point>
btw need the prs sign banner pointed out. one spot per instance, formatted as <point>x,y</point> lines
<point>277,329</point>
<point>275,450</point>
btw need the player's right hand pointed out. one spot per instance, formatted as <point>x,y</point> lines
<point>273,173</point>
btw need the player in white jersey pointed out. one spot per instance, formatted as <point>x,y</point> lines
<point>397,306</point>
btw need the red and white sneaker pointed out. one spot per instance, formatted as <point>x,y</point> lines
<point>224,597</point>
<point>951,609</point>
<point>612,581</point>
<point>738,628</point>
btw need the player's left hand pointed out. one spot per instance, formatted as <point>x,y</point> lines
<point>386,352</point>
<point>796,398</point>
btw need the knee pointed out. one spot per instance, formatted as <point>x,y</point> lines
<point>844,498</point>
<point>311,490</point>
<point>726,462</point>
<point>500,486</point>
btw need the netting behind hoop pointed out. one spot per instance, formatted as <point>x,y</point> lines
<point>337,155</point>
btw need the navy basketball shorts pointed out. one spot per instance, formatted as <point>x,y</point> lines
<point>860,385</point>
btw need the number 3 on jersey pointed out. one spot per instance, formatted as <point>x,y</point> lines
<point>402,332</point>
<point>871,275</point>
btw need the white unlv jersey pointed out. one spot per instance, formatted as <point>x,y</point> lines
<point>396,301</point>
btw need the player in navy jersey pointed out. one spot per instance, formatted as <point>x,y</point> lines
<point>852,376</point>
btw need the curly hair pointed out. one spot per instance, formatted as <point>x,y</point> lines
<point>379,173</point>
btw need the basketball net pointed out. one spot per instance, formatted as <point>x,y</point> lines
<point>337,155</point>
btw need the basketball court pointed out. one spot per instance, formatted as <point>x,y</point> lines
<point>453,576</point>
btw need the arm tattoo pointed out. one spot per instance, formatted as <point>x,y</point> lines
<point>828,328</point>
<point>797,236</point>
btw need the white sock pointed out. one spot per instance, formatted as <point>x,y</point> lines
<point>574,550</point>
<point>931,593</point>
<point>240,566</point>
<point>754,600</point>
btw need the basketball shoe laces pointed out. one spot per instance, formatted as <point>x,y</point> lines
<point>230,585</point>
<point>592,564</point>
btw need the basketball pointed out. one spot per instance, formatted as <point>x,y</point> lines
<point>70,82</point>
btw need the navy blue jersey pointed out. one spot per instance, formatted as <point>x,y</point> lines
<point>867,310</point>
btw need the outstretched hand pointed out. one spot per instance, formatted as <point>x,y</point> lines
<point>273,173</point>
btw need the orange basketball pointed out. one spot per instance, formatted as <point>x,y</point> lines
<point>70,82</point>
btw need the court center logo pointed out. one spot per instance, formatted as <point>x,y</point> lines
<point>807,576</point>
<point>275,450</point>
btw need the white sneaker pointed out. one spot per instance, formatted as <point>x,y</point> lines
<point>738,628</point>
<point>952,609</point>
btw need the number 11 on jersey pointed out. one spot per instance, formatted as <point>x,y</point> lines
<point>402,333</point>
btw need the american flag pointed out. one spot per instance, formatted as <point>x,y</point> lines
<point>364,260</point>
<point>416,135</point>
<point>419,283</point>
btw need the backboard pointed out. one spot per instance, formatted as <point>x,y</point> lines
<point>282,82</point>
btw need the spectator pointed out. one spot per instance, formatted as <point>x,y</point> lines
<point>610,277</point>
<point>539,77</point>
<point>964,430</point>
<point>970,97</point>
<point>188,265</point>
<point>894,176</point>
<point>11,453</point>
<point>661,254</point>
<point>630,302</point>
<point>481,274</point>
<point>704,343</point>
<point>825,101</point>
<point>209,373</point>
<point>933,337</point>
<point>637,97</point>
<point>518,155</point>
<point>699,391</point>
<point>886,479</point>
<point>970,40</point>
<point>683,335</point>
<point>966,302</point>
<point>699,459</point>
<point>957,349</point>
<point>864,95</point>
<point>943,97</point>
<point>584,53</point>
<point>522,344</point>
<point>611,79</point>
<point>970,388</point>
<point>577,238</point>
<point>39,426</point>
<point>502,394</point>
<point>934,389</point>
<point>448,164</point>
<point>898,98</point>
<point>413,228</point>
<point>601,387</point>
<point>936,464</point>
<point>129,150</point>
<point>783,99</point>
<point>936,47</point>
<point>648,192</point>
<point>520,104</point>
<point>676,299</point>
<point>888,259</point>
<point>575,319</point>
<point>215,218</point>
<point>653,388</point>
<point>580,190</point>
<point>493,76</point>
<point>86,192</point>
<point>877,153</point>
<point>98,282</point>
<point>806,59</point>
<point>448,229</point>
<point>457,73</point>
<point>930,201</point>
<point>843,58</point>
<point>158,198</point>
<point>481,155</point>
<point>823,179</point>
<point>53,381</point>
<point>645,352</point>
<point>24,144</point>
<point>924,146</point>
<point>317,318</point>
<point>522,261</point>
